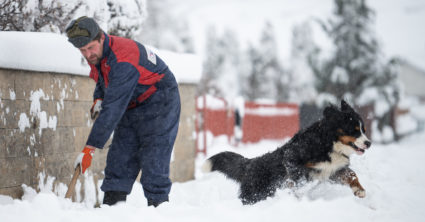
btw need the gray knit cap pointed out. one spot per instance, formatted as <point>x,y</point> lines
<point>81,31</point>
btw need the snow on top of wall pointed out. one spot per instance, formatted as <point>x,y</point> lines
<point>212,102</point>
<point>50,52</point>
<point>271,111</point>
<point>39,51</point>
<point>185,67</point>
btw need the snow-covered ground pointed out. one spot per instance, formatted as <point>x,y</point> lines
<point>393,176</point>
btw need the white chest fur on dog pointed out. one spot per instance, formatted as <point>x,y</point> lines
<point>327,168</point>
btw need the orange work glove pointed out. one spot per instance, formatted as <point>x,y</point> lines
<point>84,158</point>
<point>95,108</point>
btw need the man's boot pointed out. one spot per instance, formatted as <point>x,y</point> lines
<point>112,197</point>
<point>155,203</point>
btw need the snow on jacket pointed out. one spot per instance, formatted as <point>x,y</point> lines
<point>127,75</point>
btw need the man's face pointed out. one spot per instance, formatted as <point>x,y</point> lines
<point>93,51</point>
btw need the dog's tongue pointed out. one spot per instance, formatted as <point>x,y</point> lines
<point>360,152</point>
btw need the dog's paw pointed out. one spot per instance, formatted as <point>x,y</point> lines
<point>360,193</point>
<point>289,184</point>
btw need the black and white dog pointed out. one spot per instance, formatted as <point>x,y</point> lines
<point>320,152</point>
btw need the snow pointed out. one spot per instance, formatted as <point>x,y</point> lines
<point>271,111</point>
<point>35,101</point>
<point>381,107</point>
<point>212,102</point>
<point>45,52</point>
<point>50,52</point>
<point>393,176</point>
<point>186,67</point>
<point>414,120</point>
<point>339,75</point>
<point>12,94</point>
<point>23,122</point>
<point>406,124</point>
<point>35,111</point>
<point>367,97</point>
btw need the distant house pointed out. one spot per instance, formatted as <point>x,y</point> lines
<point>409,115</point>
<point>413,79</point>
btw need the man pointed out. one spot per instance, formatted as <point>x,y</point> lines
<point>136,96</point>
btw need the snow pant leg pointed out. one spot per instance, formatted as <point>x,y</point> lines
<point>122,164</point>
<point>157,145</point>
<point>155,171</point>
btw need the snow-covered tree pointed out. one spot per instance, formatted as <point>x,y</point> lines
<point>116,17</point>
<point>277,80</point>
<point>126,17</point>
<point>252,83</point>
<point>221,64</point>
<point>302,47</point>
<point>355,60</point>
<point>163,30</point>
<point>212,65</point>
<point>356,70</point>
<point>36,15</point>
<point>266,77</point>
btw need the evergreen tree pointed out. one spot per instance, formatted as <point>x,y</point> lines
<point>302,47</point>
<point>117,17</point>
<point>212,65</point>
<point>252,88</point>
<point>277,79</point>
<point>36,15</point>
<point>221,64</point>
<point>355,60</point>
<point>356,71</point>
<point>266,78</point>
<point>388,89</point>
<point>125,17</point>
<point>229,78</point>
<point>163,30</point>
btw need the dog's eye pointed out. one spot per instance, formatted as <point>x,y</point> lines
<point>357,128</point>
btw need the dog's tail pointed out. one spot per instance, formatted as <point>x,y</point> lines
<point>231,164</point>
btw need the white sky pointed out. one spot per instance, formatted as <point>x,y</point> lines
<point>399,23</point>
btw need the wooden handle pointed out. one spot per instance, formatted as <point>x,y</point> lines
<point>71,185</point>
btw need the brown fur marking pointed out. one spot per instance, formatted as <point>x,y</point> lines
<point>309,165</point>
<point>346,139</point>
<point>348,177</point>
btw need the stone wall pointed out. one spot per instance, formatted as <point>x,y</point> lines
<point>44,124</point>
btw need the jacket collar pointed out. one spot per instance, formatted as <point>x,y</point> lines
<point>106,46</point>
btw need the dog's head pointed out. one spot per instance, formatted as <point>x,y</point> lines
<point>349,129</point>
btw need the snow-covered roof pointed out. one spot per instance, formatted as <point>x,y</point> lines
<point>50,52</point>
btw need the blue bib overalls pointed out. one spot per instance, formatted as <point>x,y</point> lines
<point>141,105</point>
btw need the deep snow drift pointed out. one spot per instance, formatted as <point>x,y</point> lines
<point>393,176</point>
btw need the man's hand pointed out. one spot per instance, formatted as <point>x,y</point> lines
<point>84,158</point>
<point>95,109</point>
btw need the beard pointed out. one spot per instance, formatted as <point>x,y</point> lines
<point>94,59</point>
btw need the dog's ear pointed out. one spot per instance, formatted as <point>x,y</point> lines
<point>330,111</point>
<point>346,107</point>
